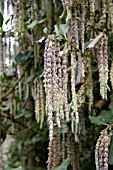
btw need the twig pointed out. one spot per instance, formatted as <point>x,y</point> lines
<point>11,89</point>
<point>23,131</point>
<point>13,120</point>
<point>78,50</point>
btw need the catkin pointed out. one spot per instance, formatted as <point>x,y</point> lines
<point>105,63</point>
<point>101,150</point>
<point>101,69</point>
<point>65,81</point>
<point>111,75</point>
<point>55,82</point>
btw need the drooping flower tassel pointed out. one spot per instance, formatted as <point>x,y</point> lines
<point>105,63</point>
<point>101,69</point>
<point>111,75</point>
<point>101,150</point>
<point>65,81</point>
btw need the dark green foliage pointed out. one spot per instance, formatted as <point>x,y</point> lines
<point>34,23</point>
<point>7,167</point>
<point>22,58</point>
<point>25,113</point>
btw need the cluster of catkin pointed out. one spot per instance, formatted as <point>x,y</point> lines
<point>39,98</point>
<point>54,149</point>
<point>55,82</point>
<point>76,29</point>
<point>62,146</point>
<point>17,16</point>
<point>103,66</point>
<point>111,74</point>
<point>101,150</point>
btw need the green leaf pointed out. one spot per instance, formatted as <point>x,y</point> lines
<point>7,167</point>
<point>25,113</point>
<point>35,22</point>
<point>111,107</point>
<point>111,38</point>
<point>4,108</point>
<point>110,156</point>
<point>64,128</point>
<point>59,37</point>
<point>87,43</point>
<point>96,120</point>
<point>6,22</point>
<point>1,30</point>
<point>63,29</point>
<point>63,166</point>
<point>17,99</point>
<point>22,58</point>
<point>104,118</point>
<point>32,25</point>
<point>1,19</point>
<point>45,30</point>
<point>41,21</point>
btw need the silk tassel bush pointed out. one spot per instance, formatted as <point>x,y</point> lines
<point>64,93</point>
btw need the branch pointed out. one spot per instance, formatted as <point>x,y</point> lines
<point>13,120</point>
<point>78,50</point>
<point>11,89</point>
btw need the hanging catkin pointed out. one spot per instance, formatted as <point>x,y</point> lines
<point>103,14</point>
<point>63,147</point>
<point>19,69</point>
<point>101,150</point>
<point>111,75</point>
<point>37,99</point>
<point>22,15</point>
<point>92,10</point>
<point>50,156</point>
<point>55,147</point>
<point>103,67</point>
<point>90,85</point>
<point>42,102</point>
<point>55,81</point>
<point>65,81</point>
<point>110,15</point>
<point>60,81</point>
<point>75,72</point>
<point>68,143</point>
<point>49,84</point>
<point>92,15</point>
<point>1,54</point>
<point>105,63</point>
<point>82,24</point>
<point>16,12</point>
<point>74,113</point>
<point>55,84</point>
<point>26,86</point>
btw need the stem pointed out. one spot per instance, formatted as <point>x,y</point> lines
<point>78,50</point>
